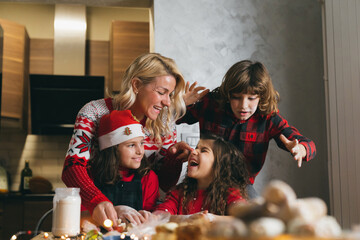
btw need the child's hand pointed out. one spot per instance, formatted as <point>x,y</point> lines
<point>192,94</point>
<point>102,211</point>
<point>199,215</point>
<point>129,215</point>
<point>297,150</point>
<point>181,149</point>
<point>145,214</point>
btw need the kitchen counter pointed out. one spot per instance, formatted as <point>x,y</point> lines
<point>30,197</point>
<point>21,212</point>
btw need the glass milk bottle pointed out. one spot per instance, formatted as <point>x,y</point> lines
<point>66,212</point>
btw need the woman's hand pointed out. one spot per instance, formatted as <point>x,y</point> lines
<point>193,94</point>
<point>160,215</point>
<point>104,210</point>
<point>181,150</point>
<point>146,214</point>
<point>297,150</point>
<point>130,215</point>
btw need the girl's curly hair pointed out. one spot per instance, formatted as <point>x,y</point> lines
<point>230,171</point>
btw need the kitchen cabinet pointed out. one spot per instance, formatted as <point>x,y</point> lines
<point>127,41</point>
<point>15,69</point>
<point>23,212</point>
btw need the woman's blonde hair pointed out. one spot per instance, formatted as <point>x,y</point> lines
<point>146,67</point>
<point>252,78</point>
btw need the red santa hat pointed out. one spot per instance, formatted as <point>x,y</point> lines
<point>118,127</point>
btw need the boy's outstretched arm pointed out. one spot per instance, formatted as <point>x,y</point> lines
<point>297,150</point>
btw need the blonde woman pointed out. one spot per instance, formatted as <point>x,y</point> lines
<point>154,90</point>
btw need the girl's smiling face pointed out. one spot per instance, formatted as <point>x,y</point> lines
<point>131,152</point>
<point>200,163</point>
<point>244,105</point>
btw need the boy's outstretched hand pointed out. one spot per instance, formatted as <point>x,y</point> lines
<point>193,93</point>
<point>297,150</point>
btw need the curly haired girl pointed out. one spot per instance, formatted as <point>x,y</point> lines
<point>120,170</point>
<point>216,177</point>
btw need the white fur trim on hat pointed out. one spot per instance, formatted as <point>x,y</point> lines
<point>120,135</point>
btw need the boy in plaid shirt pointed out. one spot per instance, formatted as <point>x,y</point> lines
<point>243,110</point>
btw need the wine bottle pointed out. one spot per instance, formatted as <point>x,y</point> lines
<point>26,175</point>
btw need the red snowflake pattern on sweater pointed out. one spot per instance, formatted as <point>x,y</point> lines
<point>84,142</point>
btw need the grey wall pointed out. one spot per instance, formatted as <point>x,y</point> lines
<point>205,37</point>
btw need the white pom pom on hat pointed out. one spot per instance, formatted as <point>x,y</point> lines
<point>118,127</point>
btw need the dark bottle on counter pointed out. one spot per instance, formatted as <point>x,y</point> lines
<point>26,175</point>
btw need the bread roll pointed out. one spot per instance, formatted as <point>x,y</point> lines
<point>309,209</point>
<point>165,231</point>
<point>40,185</point>
<point>325,227</point>
<point>248,211</point>
<point>190,231</point>
<point>233,229</point>
<point>266,227</point>
<point>278,192</point>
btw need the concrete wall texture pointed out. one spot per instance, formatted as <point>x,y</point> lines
<point>206,37</point>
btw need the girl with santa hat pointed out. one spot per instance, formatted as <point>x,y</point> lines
<point>119,170</point>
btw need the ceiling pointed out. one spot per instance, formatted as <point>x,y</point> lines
<point>109,3</point>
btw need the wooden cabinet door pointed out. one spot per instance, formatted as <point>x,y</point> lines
<point>127,41</point>
<point>14,68</point>
<point>23,215</point>
<point>12,219</point>
<point>33,211</point>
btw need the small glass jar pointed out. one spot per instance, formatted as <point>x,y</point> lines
<point>66,212</point>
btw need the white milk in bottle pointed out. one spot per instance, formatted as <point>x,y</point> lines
<point>66,212</point>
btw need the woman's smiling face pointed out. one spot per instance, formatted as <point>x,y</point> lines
<point>201,161</point>
<point>153,97</point>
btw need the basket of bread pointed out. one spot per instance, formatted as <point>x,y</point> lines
<point>276,215</point>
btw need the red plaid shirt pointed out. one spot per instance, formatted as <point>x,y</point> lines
<point>251,136</point>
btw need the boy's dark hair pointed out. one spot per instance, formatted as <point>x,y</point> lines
<point>253,78</point>
<point>230,171</point>
<point>104,167</point>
